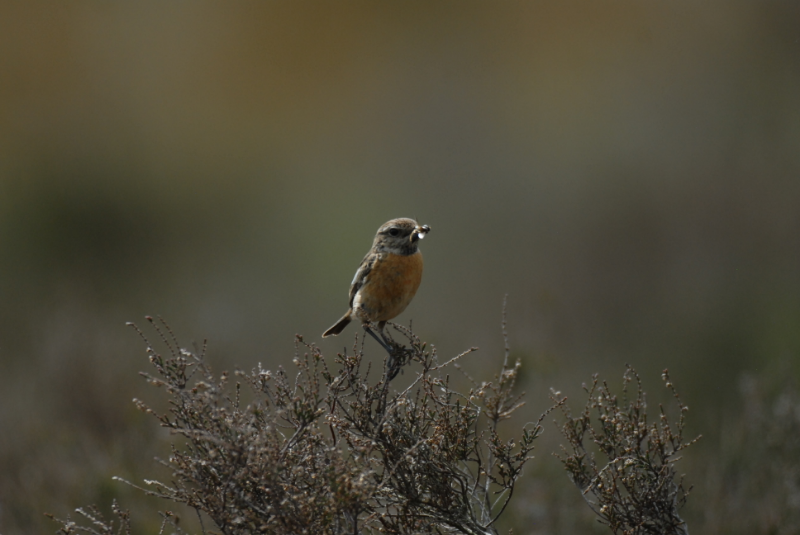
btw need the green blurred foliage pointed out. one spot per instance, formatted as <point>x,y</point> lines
<point>628,173</point>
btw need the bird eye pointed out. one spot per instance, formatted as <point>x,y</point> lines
<point>394,231</point>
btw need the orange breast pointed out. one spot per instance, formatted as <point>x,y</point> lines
<point>389,287</point>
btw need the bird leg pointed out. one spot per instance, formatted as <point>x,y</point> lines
<point>386,336</point>
<point>377,339</point>
<point>393,363</point>
<point>398,355</point>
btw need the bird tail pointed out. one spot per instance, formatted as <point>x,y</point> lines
<point>338,326</point>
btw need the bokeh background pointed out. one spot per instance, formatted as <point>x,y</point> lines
<point>628,172</point>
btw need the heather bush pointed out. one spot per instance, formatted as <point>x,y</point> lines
<point>623,464</point>
<point>331,447</point>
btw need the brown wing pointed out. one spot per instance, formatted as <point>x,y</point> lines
<point>361,274</point>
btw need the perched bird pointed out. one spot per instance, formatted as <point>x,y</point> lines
<point>387,278</point>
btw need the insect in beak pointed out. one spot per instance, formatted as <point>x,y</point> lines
<point>420,232</point>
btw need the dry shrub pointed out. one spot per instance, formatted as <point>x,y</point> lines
<point>329,450</point>
<point>633,489</point>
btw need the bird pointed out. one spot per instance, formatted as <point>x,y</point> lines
<point>387,279</point>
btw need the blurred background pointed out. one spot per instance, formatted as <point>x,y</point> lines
<point>627,172</point>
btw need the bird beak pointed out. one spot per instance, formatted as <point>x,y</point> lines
<point>420,232</point>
